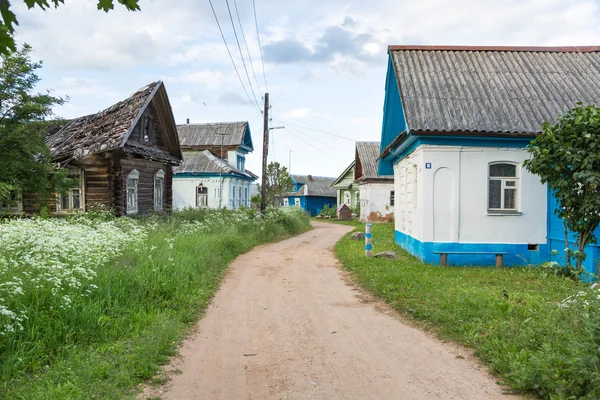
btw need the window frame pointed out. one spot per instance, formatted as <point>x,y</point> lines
<point>286,202</point>
<point>297,202</point>
<point>392,197</point>
<point>130,207</point>
<point>503,188</point>
<point>159,176</point>
<point>200,188</point>
<point>70,193</point>
<point>17,208</point>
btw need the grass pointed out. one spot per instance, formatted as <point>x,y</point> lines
<point>147,298</point>
<point>514,318</point>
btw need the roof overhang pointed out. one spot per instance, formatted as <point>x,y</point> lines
<point>337,181</point>
<point>550,49</point>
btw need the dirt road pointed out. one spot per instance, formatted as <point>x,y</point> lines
<point>285,325</point>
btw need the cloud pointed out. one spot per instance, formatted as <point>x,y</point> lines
<point>232,98</point>
<point>336,41</point>
<point>299,113</point>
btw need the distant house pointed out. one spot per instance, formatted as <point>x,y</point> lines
<point>312,193</point>
<point>456,124</point>
<point>213,173</point>
<point>376,192</point>
<point>123,156</point>
<point>347,191</point>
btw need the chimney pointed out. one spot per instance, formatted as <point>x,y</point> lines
<point>310,178</point>
<point>187,121</point>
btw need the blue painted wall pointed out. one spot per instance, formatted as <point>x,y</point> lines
<point>313,204</point>
<point>394,121</point>
<point>556,240</point>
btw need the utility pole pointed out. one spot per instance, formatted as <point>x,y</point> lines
<point>222,134</point>
<point>263,187</point>
<point>290,163</point>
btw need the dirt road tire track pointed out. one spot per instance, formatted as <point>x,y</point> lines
<point>285,325</point>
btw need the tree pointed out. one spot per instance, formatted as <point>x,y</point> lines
<point>567,156</point>
<point>25,159</point>
<point>279,182</point>
<point>9,19</point>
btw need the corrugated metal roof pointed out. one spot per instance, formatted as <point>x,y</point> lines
<point>316,185</point>
<point>368,153</point>
<point>202,135</point>
<point>486,89</point>
<point>199,162</point>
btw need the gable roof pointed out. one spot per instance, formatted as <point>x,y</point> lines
<point>110,129</point>
<point>349,170</point>
<point>204,162</point>
<point>314,186</point>
<point>493,89</point>
<point>367,155</point>
<point>198,136</point>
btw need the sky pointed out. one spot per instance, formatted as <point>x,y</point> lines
<point>325,61</point>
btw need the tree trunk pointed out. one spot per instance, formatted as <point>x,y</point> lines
<point>567,246</point>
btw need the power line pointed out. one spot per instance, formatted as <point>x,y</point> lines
<point>240,49</point>
<point>318,149</point>
<point>246,44</point>
<point>311,138</point>
<point>315,127</point>
<point>260,46</point>
<point>231,57</point>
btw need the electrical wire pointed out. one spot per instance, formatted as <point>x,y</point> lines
<point>311,138</point>
<point>246,45</point>
<point>231,57</point>
<point>260,46</point>
<point>314,127</point>
<point>241,54</point>
<point>318,149</point>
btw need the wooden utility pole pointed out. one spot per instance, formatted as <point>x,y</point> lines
<point>263,186</point>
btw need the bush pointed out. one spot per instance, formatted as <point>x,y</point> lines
<point>329,211</point>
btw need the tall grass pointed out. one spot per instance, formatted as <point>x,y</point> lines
<point>133,289</point>
<point>540,332</point>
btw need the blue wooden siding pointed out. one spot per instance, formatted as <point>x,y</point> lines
<point>556,240</point>
<point>312,204</point>
<point>394,121</point>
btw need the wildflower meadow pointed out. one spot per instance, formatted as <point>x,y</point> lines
<point>91,305</point>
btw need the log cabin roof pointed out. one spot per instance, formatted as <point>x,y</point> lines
<point>203,136</point>
<point>204,162</point>
<point>492,89</point>
<point>109,129</point>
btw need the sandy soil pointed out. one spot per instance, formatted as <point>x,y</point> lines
<point>287,325</point>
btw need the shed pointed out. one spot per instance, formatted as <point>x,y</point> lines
<point>344,212</point>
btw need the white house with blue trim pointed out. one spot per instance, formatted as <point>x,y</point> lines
<point>456,124</point>
<point>213,173</point>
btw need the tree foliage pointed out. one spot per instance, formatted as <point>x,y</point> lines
<point>9,19</point>
<point>279,182</point>
<point>567,157</point>
<point>24,157</point>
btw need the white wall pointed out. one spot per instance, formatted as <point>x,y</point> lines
<point>184,192</point>
<point>452,197</point>
<point>375,198</point>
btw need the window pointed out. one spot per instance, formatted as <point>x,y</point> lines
<point>246,197</point>
<point>347,198</point>
<point>13,205</point>
<point>392,198</point>
<point>159,184</point>
<point>201,196</point>
<point>146,128</point>
<point>241,163</point>
<point>133,180</point>
<point>240,195</point>
<point>72,200</point>
<point>503,187</point>
<point>286,202</point>
<point>297,201</point>
<point>233,194</point>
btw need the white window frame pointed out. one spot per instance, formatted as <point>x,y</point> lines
<point>132,194</point>
<point>286,202</point>
<point>159,190</point>
<point>297,201</point>
<point>347,197</point>
<point>71,197</point>
<point>201,198</point>
<point>505,185</point>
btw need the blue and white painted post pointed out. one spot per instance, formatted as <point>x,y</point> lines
<point>368,240</point>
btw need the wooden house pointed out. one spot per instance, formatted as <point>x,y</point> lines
<point>123,156</point>
<point>344,212</point>
<point>347,191</point>
<point>456,124</point>
<point>312,193</point>
<point>213,173</point>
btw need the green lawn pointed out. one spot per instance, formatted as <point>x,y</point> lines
<point>91,307</point>
<point>512,317</point>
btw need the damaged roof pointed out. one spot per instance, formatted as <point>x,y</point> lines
<point>204,162</point>
<point>367,155</point>
<point>233,134</point>
<point>314,186</point>
<point>493,89</point>
<point>109,129</point>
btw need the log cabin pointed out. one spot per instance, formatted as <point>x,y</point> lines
<point>123,156</point>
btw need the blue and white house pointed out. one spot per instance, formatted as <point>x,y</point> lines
<point>456,124</point>
<point>213,172</point>
<point>311,193</point>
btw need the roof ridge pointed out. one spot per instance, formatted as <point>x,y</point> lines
<point>529,49</point>
<point>213,123</point>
